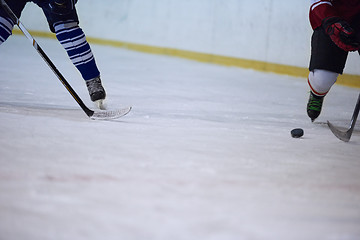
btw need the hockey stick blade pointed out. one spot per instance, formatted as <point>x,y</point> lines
<point>108,115</point>
<point>343,136</point>
<point>346,135</point>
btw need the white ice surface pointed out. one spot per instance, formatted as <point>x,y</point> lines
<point>206,153</point>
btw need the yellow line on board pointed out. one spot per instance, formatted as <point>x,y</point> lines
<point>345,79</point>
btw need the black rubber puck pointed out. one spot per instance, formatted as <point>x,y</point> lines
<point>297,132</point>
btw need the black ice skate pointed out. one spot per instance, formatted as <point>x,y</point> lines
<point>314,106</point>
<point>96,91</point>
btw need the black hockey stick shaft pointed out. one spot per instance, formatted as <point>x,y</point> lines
<point>62,79</point>
<point>356,113</point>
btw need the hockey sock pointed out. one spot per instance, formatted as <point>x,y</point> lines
<point>320,81</point>
<point>73,39</point>
<point>6,26</point>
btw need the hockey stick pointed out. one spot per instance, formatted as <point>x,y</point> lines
<point>90,113</point>
<point>345,136</point>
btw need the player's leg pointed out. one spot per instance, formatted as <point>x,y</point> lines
<point>72,38</point>
<point>326,63</point>
<point>6,24</point>
<point>320,81</point>
<point>6,27</point>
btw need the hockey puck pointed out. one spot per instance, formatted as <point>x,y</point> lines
<point>297,132</point>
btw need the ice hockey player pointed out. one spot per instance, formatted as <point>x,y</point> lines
<point>336,25</point>
<point>63,21</point>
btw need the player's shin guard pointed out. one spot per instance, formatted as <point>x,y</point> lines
<point>6,26</point>
<point>73,39</point>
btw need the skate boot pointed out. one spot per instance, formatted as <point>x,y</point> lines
<point>96,91</point>
<point>314,106</point>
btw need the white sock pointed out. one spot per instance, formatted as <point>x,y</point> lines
<point>320,81</point>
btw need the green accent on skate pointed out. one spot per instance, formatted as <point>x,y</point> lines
<point>345,79</point>
<point>315,105</point>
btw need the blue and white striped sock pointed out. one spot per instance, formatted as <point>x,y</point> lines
<point>73,39</point>
<point>6,27</point>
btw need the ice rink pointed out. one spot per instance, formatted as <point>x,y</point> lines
<point>205,154</point>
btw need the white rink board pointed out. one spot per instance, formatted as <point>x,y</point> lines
<point>263,30</point>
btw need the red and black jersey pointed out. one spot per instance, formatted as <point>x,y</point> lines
<point>349,10</point>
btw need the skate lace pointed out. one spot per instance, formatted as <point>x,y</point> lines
<point>315,103</point>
